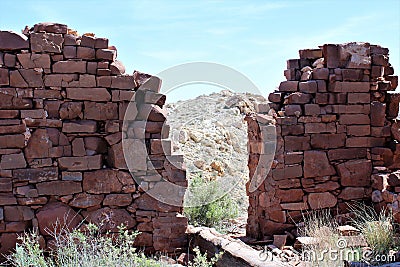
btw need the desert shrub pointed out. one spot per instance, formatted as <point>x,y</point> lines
<point>210,214</point>
<point>201,260</point>
<point>77,248</point>
<point>377,228</point>
<point>321,228</point>
<point>89,248</point>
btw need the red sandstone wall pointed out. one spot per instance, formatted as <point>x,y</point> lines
<point>333,123</point>
<point>63,98</point>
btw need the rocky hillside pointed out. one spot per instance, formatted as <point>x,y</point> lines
<point>211,133</point>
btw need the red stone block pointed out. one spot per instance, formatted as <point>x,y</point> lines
<point>12,141</point>
<point>4,77</point>
<point>55,212</point>
<point>352,75</point>
<point>292,64</point>
<point>351,119</point>
<point>12,41</point>
<point>293,110</point>
<point>275,97</point>
<point>328,141</point>
<point>355,172</point>
<point>380,60</point>
<point>85,53</point>
<point>122,82</point>
<point>88,41</point>
<point>298,98</point>
<point>289,86</point>
<point>106,54</point>
<point>100,111</point>
<point>310,53</point>
<point>10,60</point>
<point>359,130</point>
<point>320,74</point>
<point>354,193</point>
<point>101,43</point>
<point>312,110</point>
<point>297,143</point>
<point>18,213</point>
<point>80,163</point>
<point>378,112</point>
<point>308,87</point>
<point>293,129</point>
<point>316,164</point>
<point>69,67</point>
<point>118,200</point>
<point>359,98</point>
<point>321,200</point>
<point>331,55</point>
<point>90,94</point>
<point>289,171</point>
<point>46,42</point>
<point>349,87</point>
<point>320,128</point>
<point>50,27</point>
<point>322,98</point>
<point>59,188</point>
<point>291,195</point>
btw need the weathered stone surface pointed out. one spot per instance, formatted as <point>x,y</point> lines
<point>46,42</point>
<point>39,145</point>
<point>347,153</point>
<point>36,175</point>
<point>327,141</point>
<point>378,111</point>
<point>84,200</point>
<point>18,213</point>
<point>100,111</point>
<point>71,110</point>
<point>102,181</point>
<point>50,27</point>
<point>12,41</point>
<point>316,164</point>
<point>12,141</point>
<point>355,173</point>
<point>83,126</point>
<point>59,188</point>
<point>32,60</point>
<point>117,200</point>
<point>69,67</point>
<point>80,163</point>
<point>110,219</point>
<point>289,86</point>
<point>89,94</point>
<point>353,193</point>
<point>57,212</point>
<point>12,161</point>
<point>321,200</point>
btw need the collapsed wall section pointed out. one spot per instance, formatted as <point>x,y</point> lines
<point>63,101</point>
<point>333,119</point>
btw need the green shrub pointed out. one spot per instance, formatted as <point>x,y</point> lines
<point>85,249</point>
<point>212,214</point>
<point>322,228</point>
<point>377,228</point>
<point>88,249</point>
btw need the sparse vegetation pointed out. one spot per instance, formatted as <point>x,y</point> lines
<point>213,214</point>
<point>321,227</point>
<point>377,228</point>
<point>88,249</point>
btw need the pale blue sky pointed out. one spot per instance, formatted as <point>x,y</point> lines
<point>253,37</point>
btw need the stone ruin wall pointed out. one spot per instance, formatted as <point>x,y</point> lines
<point>337,139</point>
<point>63,99</point>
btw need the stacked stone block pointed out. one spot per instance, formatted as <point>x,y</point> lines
<point>333,124</point>
<point>63,101</point>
